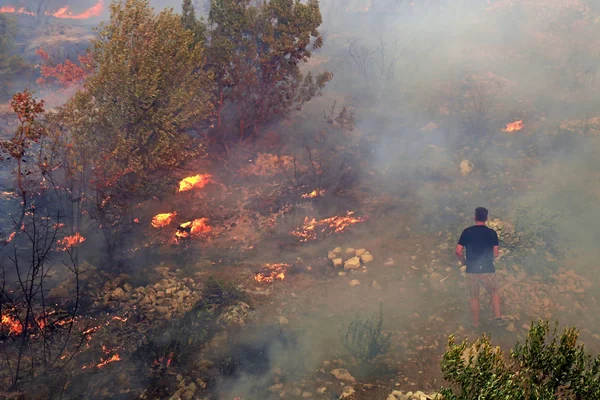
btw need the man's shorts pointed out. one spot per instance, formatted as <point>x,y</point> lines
<point>476,281</point>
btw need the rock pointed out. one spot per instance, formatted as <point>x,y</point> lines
<point>117,294</point>
<point>342,273</point>
<point>321,390</point>
<point>359,252</point>
<point>331,255</point>
<point>283,321</point>
<point>342,374</point>
<point>391,397</point>
<point>337,250</point>
<point>376,285</point>
<point>306,395</point>
<point>511,327</point>
<point>276,388</point>
<point>235,315</point>
<point>354,282</point>
<point>337,262</point>
<point>389,262</point>
<point>466,167</point>
<point>347,392</point>
<point>350,251</point>
<point>366,257</point>
<point>353,263</point>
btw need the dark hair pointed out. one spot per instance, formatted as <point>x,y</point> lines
<point>481,214</point>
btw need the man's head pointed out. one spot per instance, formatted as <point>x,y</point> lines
<point>481,214</point>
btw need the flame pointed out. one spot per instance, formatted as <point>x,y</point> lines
<point>94,11</point>
<point>114,358</point>
<point>70,241</point>
<point>271,272</point>
<point>13,9</point>
<point>314,193</point>
<point>11,324</point>
<point>195,227</point>
<point>514,126</point>
<point>193,182</point>
<point>122,319</point>
<point>312,227</point>
<point>162,220</point>
<point>11,237</point>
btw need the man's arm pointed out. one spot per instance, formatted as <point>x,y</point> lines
<point>460,254</point>
<point>496,252</point>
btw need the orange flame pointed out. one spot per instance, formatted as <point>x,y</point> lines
<point>195,227</point>
<point>94,11</point>
<point>513,126</point>
<point>327,226</point>
<point>13,9</point>
<point>162,220</point>
<point>314,193</point>
<point>114,358</point>
<point>194,182</point>
<point>271,272</point>
<point>70,241</point>
<point>11,324</point>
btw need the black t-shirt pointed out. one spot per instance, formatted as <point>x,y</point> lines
<point>479,241</point>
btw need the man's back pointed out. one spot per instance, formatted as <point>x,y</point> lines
<point>479,241</point>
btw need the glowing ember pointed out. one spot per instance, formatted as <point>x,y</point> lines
<point>11,237</point>
<point>162,220</point>
<point>513,126</point>
<point>327,226</point>
<point>70,241</point>
<point>313,194</point>
<point>117,318</point>
<point>114,358</point>
<point>271,272</point>
<point>10,324</point>
<point>196,227</point>
<point>194,182</point>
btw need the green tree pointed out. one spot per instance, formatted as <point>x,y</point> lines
<point>130,122</point>
<point>255,53</point>
<point>547,366</point>
<point>191,23</point>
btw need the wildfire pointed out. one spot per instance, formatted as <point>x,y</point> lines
<point>195,227</point>
<point>271,272</point>
<point>194,182</point>
<point>70,241</point>
<point>162,220</point>
<point>63,13</point>
<point>114,358</point>
<point>11,324</point>
<point>327,226</point>
<point>314,193</point>
<point>514,126</point>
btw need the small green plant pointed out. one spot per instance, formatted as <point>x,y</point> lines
<point>364,338</point>
<point>547,366</point>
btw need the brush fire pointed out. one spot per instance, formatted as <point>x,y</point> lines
<point>162,220</point>
<point>70,241</point>
<point>315,193</point>
<point>194,182</point>
<point>270,273</point>
<point>513,126</point>
<point>312,228</point>
<point>193,228</point>
<point>62,13</point>
<point>10,326</point>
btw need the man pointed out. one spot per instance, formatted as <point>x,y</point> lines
<point>481,244</point>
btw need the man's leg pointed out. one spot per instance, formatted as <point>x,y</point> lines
<point>491,285</point>
<point>473,291</point>
<point>474,305</point>
<point>496,305</point>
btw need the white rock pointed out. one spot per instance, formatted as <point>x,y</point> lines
<point>354,282</point>
<point>342,374</point>
<point>337,262</point>
<point>466,167</point>
<point>321,390</point>
<point>353,263</point>
<point>376,285</point>
<point>366,257</point>
<point>391,397</point>
<point>337,250</point>
<point>331,255</point>
<point>359,252</point>
<point>283,321</point>
<point>348,391</point>
<point>342,273</point>
<point>350,251</point>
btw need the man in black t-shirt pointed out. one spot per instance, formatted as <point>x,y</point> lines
<point>481,244</point>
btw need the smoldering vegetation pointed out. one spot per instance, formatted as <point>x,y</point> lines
<point>411,134</point>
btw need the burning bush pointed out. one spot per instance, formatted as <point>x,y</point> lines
<point>194,182</point>
<point>271,272</point>
<point>312,228</point>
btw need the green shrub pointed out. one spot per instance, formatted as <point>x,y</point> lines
<point>364,338</point>
<point>547,366</point>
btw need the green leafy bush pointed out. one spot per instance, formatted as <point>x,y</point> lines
<point>364,338</point>
<point>547,366</point>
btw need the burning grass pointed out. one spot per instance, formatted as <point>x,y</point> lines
<point>269,273</point>
<point>313,228</point>
<point>193,228</point>
<point>194,182</point>
<point>513,126</point>
<point>10,325</point>
<point>70,241</point>
<point>162,220</point>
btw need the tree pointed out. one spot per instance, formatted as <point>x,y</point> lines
<point>191,23</point>
<point>546,367</point>
<point>255,53</point>
<point>10,64</point>
<point>131,120</point>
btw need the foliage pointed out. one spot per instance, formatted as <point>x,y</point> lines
<point>191,23</point>
<point>547,366</point>
<point>131,120</point>
<point>364,339</point>
<point>255,52</point>
<point>65,74</point>
<point>10,65</point>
